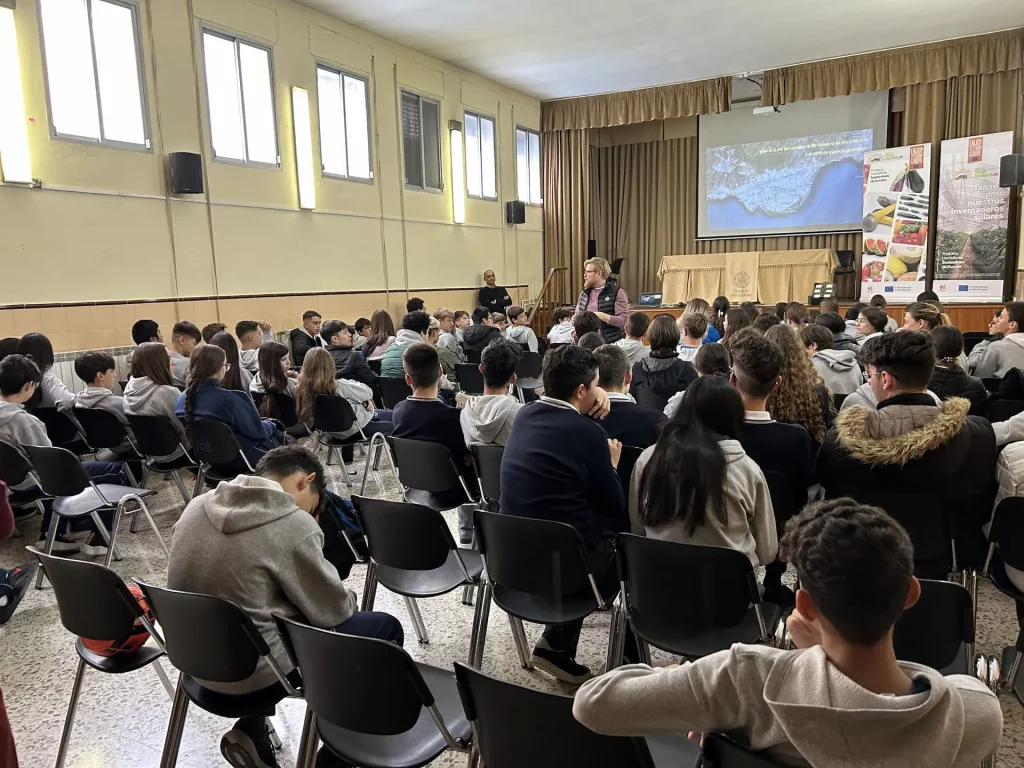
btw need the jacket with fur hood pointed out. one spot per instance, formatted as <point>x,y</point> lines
<point>248,542</point>
<point>839,369</point>
<point>487,420</point>
<point>800,709</point>
<point>1000,356</point>
<point>917,461</point>
<point>18,427</point>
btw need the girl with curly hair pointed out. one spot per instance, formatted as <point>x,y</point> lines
<point>802,397</point>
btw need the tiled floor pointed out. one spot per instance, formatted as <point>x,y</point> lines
<point>121,719</point>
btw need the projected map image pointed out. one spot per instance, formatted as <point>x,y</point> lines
<point>783,184</point>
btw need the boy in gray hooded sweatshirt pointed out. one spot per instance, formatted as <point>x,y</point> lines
<point>842,698</point>
<point>1000,356</point>
<point>837,367</point>
<point>487,420</point>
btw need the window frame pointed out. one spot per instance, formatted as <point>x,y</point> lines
<point>236,38</point>
<point>540,153</point>
<point>136,10</point>
<point>465,150</point>
<point>440,141</point>
<point>323,64</point>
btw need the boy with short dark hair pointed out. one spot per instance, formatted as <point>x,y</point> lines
<point>584,323</point>
<point>415,304</point>
<point>562,328</point>
<point>487,420</point>
<point>251,335</point>
<point>184,338</point>
<point>633,345</point>
<point>462,321</point>
<point>692,327</point>
<point>348,364</point>
<point>98,371</point>
<point>146,330</point>
<point>796,315</point>
<point>841,338</point>
<point>306,336</point>
<point>838,368</point>
<point>841,698</point>
<point>878,300</point>
<point>628,422</point>
<point>363,332</point>
<point>765,320</point>
<point>520,330</point>
<point>483,330</point>
<point>211,330</point>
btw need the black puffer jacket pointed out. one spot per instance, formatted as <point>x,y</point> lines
<point>663,372</point>
<point>953,382</point>
<point>479,336</point>
<point>349,364</point>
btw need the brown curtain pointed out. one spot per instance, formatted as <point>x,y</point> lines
<point>703,97</point>
<point>565,159</point>
<point>916,65</point>
<point>642,206</point>
<point>961,106</point>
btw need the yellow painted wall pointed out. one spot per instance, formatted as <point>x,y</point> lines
<point>104,226</point>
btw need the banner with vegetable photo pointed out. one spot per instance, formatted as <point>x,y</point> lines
<point>972,219</point>
<point>897,194</point>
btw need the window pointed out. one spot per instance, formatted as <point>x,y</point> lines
<point>343,101</point>
<point>481,180</point>
<point>240,97</point>
<point>94,71</point>
<point>528,166</point>
<point>421,141</point>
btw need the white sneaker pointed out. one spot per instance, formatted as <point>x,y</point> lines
<point>89,549</point>
<point>62,545</point>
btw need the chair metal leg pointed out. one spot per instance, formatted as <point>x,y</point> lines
<point>330,452</point>
<point>479,635</point>
<point>974,596</point>
<point>143,509</point>
<point>166,681</point>
<point>51,534</point>
<point>145,477</point>
<point>473,761</point>
<point>275,740</point>
<point>370,587</point>
<point>109,536</point>
<point>175,727</point>
<point>417,620</point>
<point>344,470</point>
<point>616,637</point>
<point>307,742</point>
<point>181,487</point>
<point>371,458</point>
<point>199,483</point>
<point>645,651</point>
<point>519,636</point>
<point>467,594</point>
<point>69,719</point>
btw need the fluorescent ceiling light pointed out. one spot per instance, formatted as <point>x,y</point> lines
<point>458,173</point>
<point>303,148</point>
<point>14,157</point>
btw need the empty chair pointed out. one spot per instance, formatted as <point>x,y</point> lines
<point>62,431</point>
<point>370,703</point>
<point>972,339</point>
<point>473,356</point>
<point>287,415</point>
<point>332,415</point>
<point>216,448</point>
<point>393,390</point>
<point>103,430</point>
<point>515,726</point>
<point>157,439</point>
<point>938,631</point>
<point>374,365</point>
<point>1005,567</point>
<point>648,398</point>
<point>690,599</point>
<point>94,603</point>
<point>487,462</point>
<point>210,638</point>
<point>428,473</point>
<point>471,381</point>
<point>413,554</point>
<point>528,371</point>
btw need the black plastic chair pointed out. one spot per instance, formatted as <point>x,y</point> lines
<point>371,704</point>
<point>216,448</point>
<point>528,371</point>
<point>487,462</point>
<point>1007,550</point>
<point>62,430</point>
<point>690,599</point>
<point>428,473</point>
<point>515,726</point>
<point>627,460</point>
<point>211,638</point>
<point>393,390</point>
<point>103,430</point>
<point>62,476</point>
<point>536,571</point>
<point>471,381</point>
<point>939,630</point>
<point>374,365</point>
<point>287,415</point>
<point>413,554</point>
<point>648,398</point>
<point>473,356</point>
<point>720,751</point>
<point>973,339</point>
<point>15,470</point>
<point>992,384</point>
<point>332,415</point>
<point>1003,410</point>
<point>156,438</point>
<point>838,400</point>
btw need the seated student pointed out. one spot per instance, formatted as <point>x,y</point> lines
<point>841,338</point>
<point>710,360</point>
<point>449,360</point>
<point>635,329</point>
<point>415,329</point>
<point>382,335</point>
<point>949,378</point>
<point>52,391</point>
<point>251,334</point>
<point>982,346</point>
<point>520,330</point>
<point>146,330</point>
<point>751,309</point>
<point>801,397</point>
<point>306,336</point>
<point>462,321</point>
<point>318,379</point>
<point>19,377</point>
<point>274,376</point>
<point>446,334</point>
<point>560,466</point>
<point>151,392</point>
<point>911,454</point>
<point>184,338</point>
<point>663,371</point>
<point>236,377</point>
<point>878,300</point>
<point>692,328</point>
<point>9,346</point>
<point>852,316</point>
<point>591,341</point>
<point>211,330</point>
<point>784,452</point>
<point>796,315</point>
<point>561,331</point>
<point>255,540</point>
<point>584,323</point>
<point>500,322</point>
<point>97,370</point>
<point>415,304</point>
<point>629,423</point>
<point>698,486</point>
<point>362,326</point>
<point>487,420</point>
<point>838,368</point>
<point>736,319</point>
<point>1008,352</point>
<point>348,364</point>
<point>871,323</point>
<point>827,305</point>
<point>842,698</point>
<point>205,398</point>
<point>719,309</point>
<point>481,332</point>
<point>421,416</point>
<point>765,320</point>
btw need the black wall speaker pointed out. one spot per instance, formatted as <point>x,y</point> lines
<point>591,249</point>
<point>186,173</point>
<point>515,212</point>
<point>1011,170</point>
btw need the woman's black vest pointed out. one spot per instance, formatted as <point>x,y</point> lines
<point>606,304</point>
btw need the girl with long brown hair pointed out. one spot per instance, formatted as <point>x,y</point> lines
<point>736,319</point>
<point>802,397</point>
<point>151,392</point>
<point>236,377</point>
<point>273,377</point>
<point>382,334</point>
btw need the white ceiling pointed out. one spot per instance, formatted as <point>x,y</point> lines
<point>559,48</point>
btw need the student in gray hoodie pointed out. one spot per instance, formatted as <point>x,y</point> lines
<point>487,420</point>
<point>184,338</point>
<point>52,391</point>
<point>842,698</point>
<point>256,541</point>
<point>151,392</point>
<point>251,335</point>
<point>1000,356</point>
<point>97,370</point>
<point>520,331</point>
<point>633,345</point>
<point>837,367</point>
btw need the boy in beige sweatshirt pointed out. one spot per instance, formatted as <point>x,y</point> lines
<point>842,698</point>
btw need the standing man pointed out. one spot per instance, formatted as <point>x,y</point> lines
<point>306,336</point>
<point>494,297</point>
<point>604,298</point>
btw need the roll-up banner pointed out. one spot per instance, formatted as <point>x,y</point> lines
<point>972,219</point>
<point>897,193</point>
